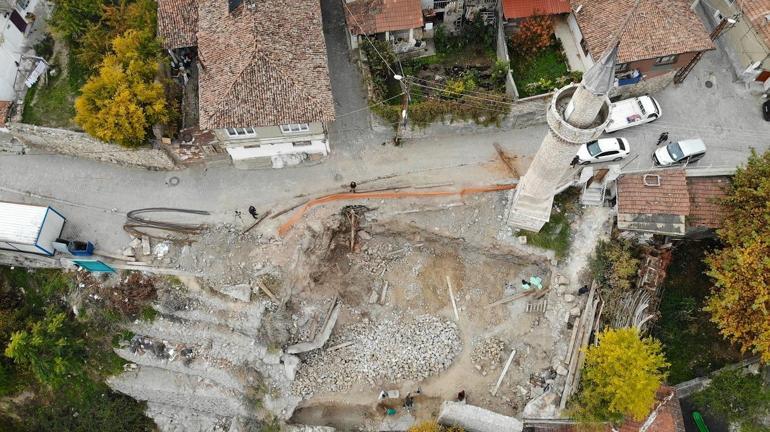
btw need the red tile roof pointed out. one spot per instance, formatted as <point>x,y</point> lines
<point>671,197</point>
<point>755,12</point>
<point>705,193</point>
<point>527,8</point>
<point>5,110</point>
<point>378,16</point>
<point>263,64</point>
<point>658,28</point>
<point>177,23</point>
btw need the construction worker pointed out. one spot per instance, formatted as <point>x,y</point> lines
<point>353,187</point>
<point>253,212</point>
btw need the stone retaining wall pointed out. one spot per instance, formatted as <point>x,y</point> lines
<point>37,139</point>
<point>647,86</point>
<point>524,113</point>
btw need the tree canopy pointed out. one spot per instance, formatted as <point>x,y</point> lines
<point>740,300</point>
<point>736,397</point>
<point>620,378</point>
<point>123,100</point>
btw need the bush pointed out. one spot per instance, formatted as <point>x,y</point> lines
<point>621,376</point>
<point>473,33</point>
<point>737,398</point>
<point>123,101</point>
<point>533,35</point>
<point>379,55</point>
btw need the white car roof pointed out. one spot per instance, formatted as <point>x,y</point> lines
<point>608,144</point>
<point>692,146</point>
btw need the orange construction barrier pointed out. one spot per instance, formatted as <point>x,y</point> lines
<point>283,229</point>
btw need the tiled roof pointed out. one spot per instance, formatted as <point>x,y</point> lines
<point>177,23</point>
<point>705,192</point>
<point>671,197</point>
<point>755,12</point>
<point>5,108</point>
<point>264,64</point>
<point>658,28</point>
<point>378,16</point>
<point>527,8</point>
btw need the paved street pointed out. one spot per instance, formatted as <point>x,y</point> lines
<point>725,116</point>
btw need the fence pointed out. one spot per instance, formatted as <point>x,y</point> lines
<point>502,54</point>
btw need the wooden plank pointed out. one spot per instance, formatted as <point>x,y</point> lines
<point>502,374</point>
<point>452,297</point>
<point>510,298</point>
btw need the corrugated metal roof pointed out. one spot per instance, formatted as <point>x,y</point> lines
<point>20,223</point>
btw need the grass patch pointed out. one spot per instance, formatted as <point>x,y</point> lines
<point>691,342</point>
<point>148,313</point>
<point>51,104</point>
<point>546,67</point>
<point>555,234</point>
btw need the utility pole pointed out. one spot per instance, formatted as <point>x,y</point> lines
<point>682,73</point>
<point>402,122</point>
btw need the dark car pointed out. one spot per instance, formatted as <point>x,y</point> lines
<point>766,110</point>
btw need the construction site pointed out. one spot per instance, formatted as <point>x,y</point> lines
<point>363,311</point>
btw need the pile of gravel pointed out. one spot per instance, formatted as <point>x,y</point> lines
<point>396,349</point>
<point>486,354</point>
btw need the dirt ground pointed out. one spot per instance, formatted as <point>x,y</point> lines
<point>414,252</point>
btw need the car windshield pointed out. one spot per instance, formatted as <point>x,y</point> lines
<point>620,144</point>
<point>675,151</point>
<point>593,148</point>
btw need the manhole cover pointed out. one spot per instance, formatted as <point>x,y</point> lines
<point>709,84</point>
<point>172,181</point>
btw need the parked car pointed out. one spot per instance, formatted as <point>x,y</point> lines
<point>766,110</point>
<point>632,112</point>
<point>684,151</point>
<point>603,150</point>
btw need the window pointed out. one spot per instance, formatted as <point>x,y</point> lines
<point>295,127</point>
<point>241,132</point>
<point>665,60</point>
<point>22,4</point>
<point>621,67</point>
<point>301,143</point>
<point>584,46</point>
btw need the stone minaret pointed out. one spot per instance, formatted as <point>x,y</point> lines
<point>577,114</point>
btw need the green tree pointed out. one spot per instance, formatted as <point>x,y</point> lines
<point>740,300</point>
<point>620,378</point>
<point>124,100</point>
<point>736,397</point>
<point>49,349</point>
<point>71,18</point>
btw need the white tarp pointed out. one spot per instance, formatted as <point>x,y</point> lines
<point>39,70</point>
<point>20,223</point>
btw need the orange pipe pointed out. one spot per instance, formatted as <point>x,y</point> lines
<point>283,229</point>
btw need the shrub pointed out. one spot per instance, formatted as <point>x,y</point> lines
<point>379,55</point>
<point>736,397</point>
<point>533,35</point>
<point>621,376</point>
<point>123,101</point>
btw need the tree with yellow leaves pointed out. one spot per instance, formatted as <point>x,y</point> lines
<point>620,378</point>
<point>740,301</point>
<point>122,102</point>
<point>433,426</point>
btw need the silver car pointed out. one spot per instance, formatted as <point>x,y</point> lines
<point>684,151</point>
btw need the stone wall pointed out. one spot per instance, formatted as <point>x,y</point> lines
<point>647,86</point>
<point>38,139</point>
<point>524,113</point>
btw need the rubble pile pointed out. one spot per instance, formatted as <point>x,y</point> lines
<point>486,354</point>
<point>395,349</point>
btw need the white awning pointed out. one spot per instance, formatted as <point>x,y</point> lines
<point>20,223</point>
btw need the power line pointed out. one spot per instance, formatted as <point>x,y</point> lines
<point>350,13</point>
<point>434,82</point>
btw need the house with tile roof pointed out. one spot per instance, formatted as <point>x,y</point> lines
<point>660,38</point>
<point>674,202</point>
<point>747,41</point>
<point>514,11</point>
<point>263,82</point>
<point>397,21</point>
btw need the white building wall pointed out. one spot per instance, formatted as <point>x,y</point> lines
<point>578,36</point>
<point>12,46</point>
